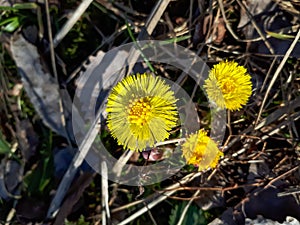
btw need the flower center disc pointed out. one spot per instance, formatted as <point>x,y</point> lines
<point>140,111</point>
<point>228,86</point>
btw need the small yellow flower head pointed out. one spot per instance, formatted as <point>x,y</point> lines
<point>201,150</point>
<point>141,111</point>
<point>228,85</point>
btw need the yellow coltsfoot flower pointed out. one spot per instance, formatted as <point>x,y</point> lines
<point>141,111</point>
<point>201,151</point>
<point>228,85</point>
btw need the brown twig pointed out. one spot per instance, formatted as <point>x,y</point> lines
<point>281,176</point>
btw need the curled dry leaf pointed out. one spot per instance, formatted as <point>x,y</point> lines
<point>30,210</point>
<point>73,196</point>
<point>220,31</point>
<point>263,221</point>
<point>40,86</point>
<point>27,138</point>
<point>269,18</point>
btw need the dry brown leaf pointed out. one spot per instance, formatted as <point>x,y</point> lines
<point>40,86</point>
<point>73,197</point>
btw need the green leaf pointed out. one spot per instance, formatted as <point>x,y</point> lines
<point>11,27</point>
<point>100,7</point>
<point>81,221</point>
<point>194,215</point>
<point>7,8</point>
<point>47,173</point>
<point>39,180</point>
<point>29,5</point>
<point>8,20</point>
<point>12,23</point>
<point>4,145</point>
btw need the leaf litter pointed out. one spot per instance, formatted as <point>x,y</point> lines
<point>260,171</point>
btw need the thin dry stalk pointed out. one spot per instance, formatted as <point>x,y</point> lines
<point>276,74</point>
<point>151,23</point>
<point>281,176</point>
<point>161,198</point>
<point>71,22</point>
<point>105,193</point>
<point>279,127</point>
<point>279,113</point>
<point>53,64</point>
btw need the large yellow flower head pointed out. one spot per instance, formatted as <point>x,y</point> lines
<point>228,85</point>
<point>200,150</point>
<point>141,111</point>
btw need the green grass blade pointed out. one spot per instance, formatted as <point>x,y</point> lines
<point>19,6</point>
<point>13,25</point>
<point>134,40</point>
<point>176,39</point>
<point>280,36</point>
